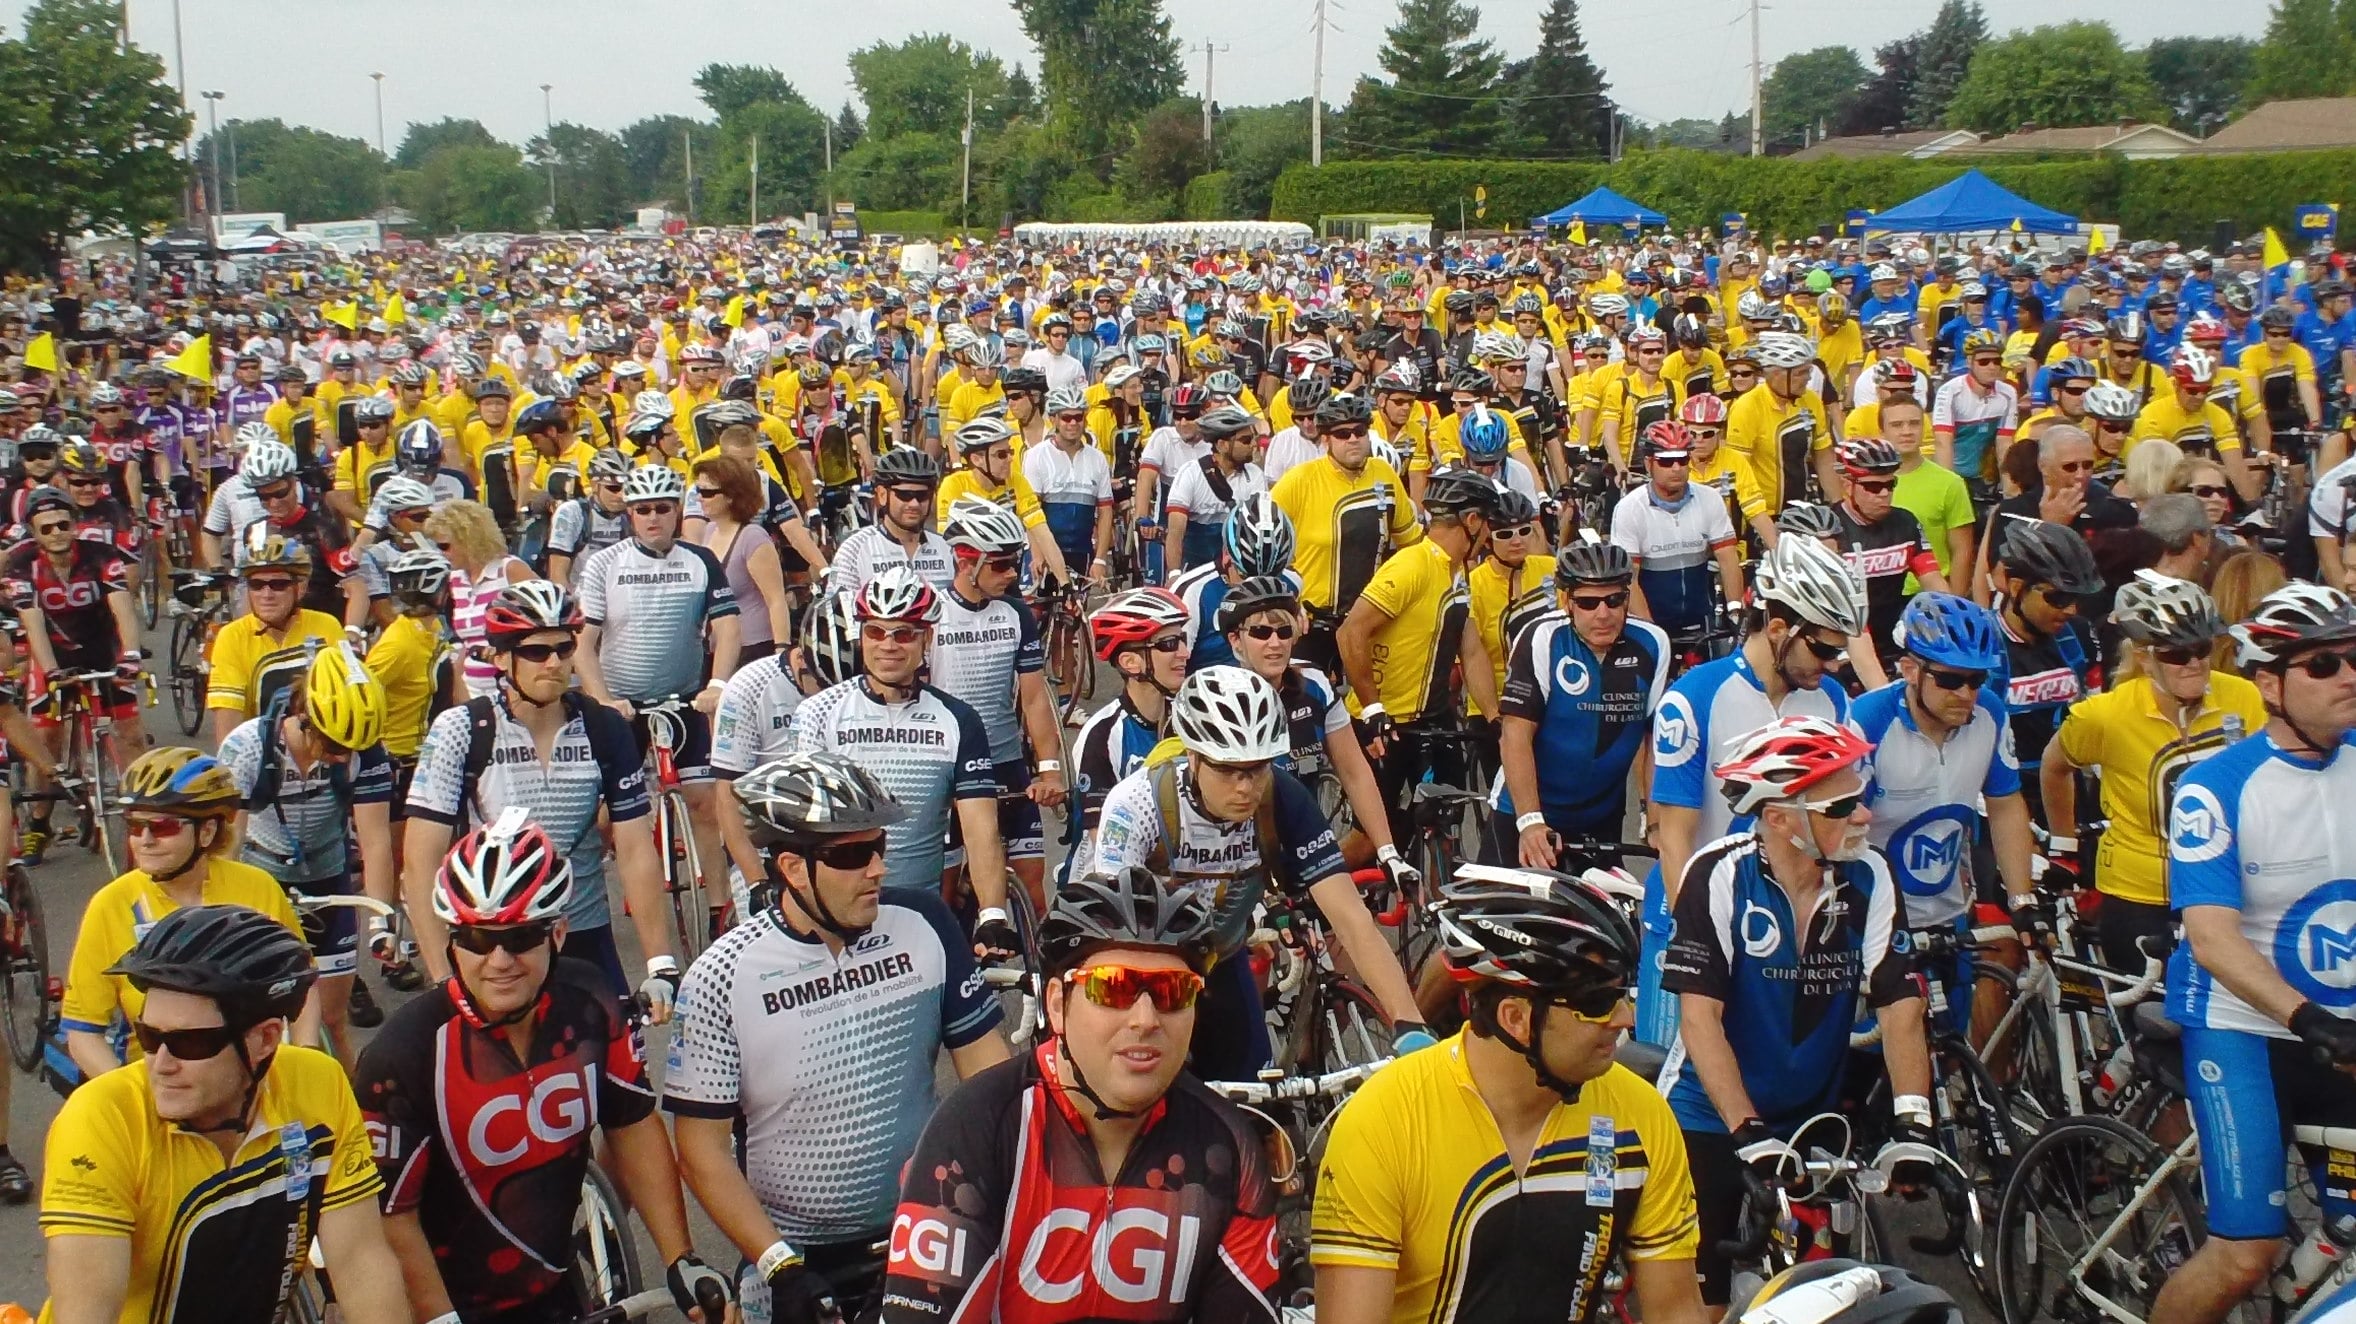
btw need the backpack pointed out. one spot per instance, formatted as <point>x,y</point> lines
<point>482,735</point>
<point>1233,902</point>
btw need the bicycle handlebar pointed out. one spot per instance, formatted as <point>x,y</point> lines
<point>1275,1086</point>
<point>646,1303</point>
<point>305,902</point>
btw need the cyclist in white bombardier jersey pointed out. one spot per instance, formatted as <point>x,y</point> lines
<point>987,651</point>
<point>905,483</point>
<point>755,722</point>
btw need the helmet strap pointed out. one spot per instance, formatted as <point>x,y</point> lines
<point>1066,1066</point>
<point>196,855</point>
<point>463,999</point>
<point>1532,1054</point>
<point>814,904</point>
<point>2281,712</point>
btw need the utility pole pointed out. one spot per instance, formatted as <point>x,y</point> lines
<point>753,206</point>
<point>180,71</point>
<point>548,124</point>
<point>1210,55</point>
<point>965,183</point>
<point>233,166</point>
<point>1758,107</point>
<point>827,126</point>
<point>385,162</point>
<point>687,136</point>
<point>213,117</point>
<point>1317,90</point>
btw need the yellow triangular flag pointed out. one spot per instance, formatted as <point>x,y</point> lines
<point>2094,242</point>
<point>2276,254</point>
<point>42,353</point>
<point>1578,232</point>
<point>2016,225</point>
<point>395,311</point>
<point>196,361</point>
<point>734,316</point>
<point>345,315</point>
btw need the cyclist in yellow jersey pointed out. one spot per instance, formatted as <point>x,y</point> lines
<point>187,1187</point>
<point>1514,584</point>
<point>2234,391</point>
<point>488,447</point>
<point>260,652</point>
<point>294,403</point>
<point>1700,368</point>
<point>367,462</point>
<point>2123,364</point>
<point>2284,371</point>
<point>1840,341</point>
<point>1776,432</point>
<point>866,395</point>
<point>990,470</point>
<point>410,401</point>
<point>2185,415</point>
<point>700,370</point>
<point>1349,510</point>
<point>1457,1182</point>
<point>1639,397</point>
<point>414,659</point>
<point>1893,379</point>
<point>1399,418</point>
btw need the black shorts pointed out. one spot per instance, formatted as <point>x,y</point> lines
<point>691,754</point>
<point>404,769</point>
<point>2119,925</point>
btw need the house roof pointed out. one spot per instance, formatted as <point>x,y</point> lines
<point>2087,138</point>
<point>2281,126</point>
<point>1878,144</point>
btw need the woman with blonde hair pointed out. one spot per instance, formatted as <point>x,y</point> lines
<point>2206,479</point>
<point>2151,468</point>
<point>2239,586</point>
<point>729,493</point>
<point>480,566</point>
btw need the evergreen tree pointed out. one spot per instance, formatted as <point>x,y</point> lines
<point>848,129</point>
<point>1559,106</point>
<point>1445,95</point>
<point>1022,98</point>
<point>1887,100</point>
<point>1943,54</point>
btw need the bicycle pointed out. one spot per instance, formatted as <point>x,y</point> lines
<point>674,835</point>
<point>87,763</point>
<point>1297,1114</point>
<point>2043,1049</point>
<point>1071,662</point>
<point>197,608</point>
<point>1317,1015</point>
<point>32,994</point>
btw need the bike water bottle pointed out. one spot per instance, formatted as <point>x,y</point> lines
<point>2116,1074</point>
<point>2305,1267</point>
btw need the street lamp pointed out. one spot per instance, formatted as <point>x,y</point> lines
<point>548,123</point>
<point>213,118</point>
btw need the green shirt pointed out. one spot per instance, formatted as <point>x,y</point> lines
<point>1939,499</point>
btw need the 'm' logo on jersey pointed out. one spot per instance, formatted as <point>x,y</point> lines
<point>1675,736</point>
<point>2315,944</point>
<point>1928,850</point>
<point>2196,827</point>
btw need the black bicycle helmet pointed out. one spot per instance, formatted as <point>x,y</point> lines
<point>1344,409</point>
<point>798,801</point>
<point>1224,422</point>
<point>1458,491</point>
<point>1130,909</point>
<point>1472,381</point>
<point>1513,508</point>
<point>1901,1298</point>
<point>2278,318</point>
<point>1547,932</point>
<point>1253,596</point>
<point>254,967</point>
<point>2047,553</point>
<point>1583,562</point>
<point>1024,381</point>
<point>907,465</point>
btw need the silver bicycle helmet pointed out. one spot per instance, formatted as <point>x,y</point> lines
<point>1813,582</point>
<point>1230,715</point>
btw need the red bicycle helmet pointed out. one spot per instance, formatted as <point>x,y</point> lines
<point>1704,410</point>
<point>1667,437</point>
<point>505,872</point>
<point>525,609</point>
<point>1785,757</point>
<point>1133,618</point>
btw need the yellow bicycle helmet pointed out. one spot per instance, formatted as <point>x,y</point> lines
<point>178,780</point>
<point>265,550</point>
<point>345,702</point>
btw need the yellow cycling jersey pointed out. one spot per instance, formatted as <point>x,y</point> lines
<point>2261,361</point>
<point>1866,421</point>
<point>1700,371</point>
<point>1769,445</point>
<point>562,476</point>
<point>1446,442</point>
<point>122,910</point>
<point>1343,526</point>
<point>2141,753</point>
<point>1630,404</point>
<point>360,468</point>
<point>212,1242</point>
<point>452,413</point>
<point>967,404</point>
<point>1016,495</point>
<point>1504,601</point>
<point>1841,350</point>
<point>283,415</point>
<point>2202,427</point>
<point>408,657</point>
<point>1426,599</point>
<point>251,663</point>
<point>1416,1180</point>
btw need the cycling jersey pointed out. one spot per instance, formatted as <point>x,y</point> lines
<point>414,661</point>
<point>2202,429</point>
<point>212,1242</point>
<point>1423,593</point>
<point>1071,486</point>
<point>869,549</point>
<point>1926,795</point>
<point>488,1152</point>
<point>1888,555</point>
<point>594,762</point>
<point>121,913</point>
<point>251,662</point>
<point>1591,713</point>
<point>1313,713</point>
<point>1343,527</point>
<point>329,539</point>
<point>2141,754</point>
<point>299,827</point>
<point>1505,601</point>
<point>1706,713</point>
<point>979,653</point>
<point>581,528</point>
<point>651,611</point>
<point>1981,420</point>
<point>1112,743</point>
<point>929,751</point>
<point>1218,859</point>
<point>2279,375</point>
<point>233,509</point>
<point>1791,986</point>
<point>361,469</point>
<point>1008,1215</point>
<point>1940,502</point>
<point>2331,507</point>
<point>753,722</point>
<point>1674,545</point>
<point>2042,678</point>
<point>1415,1180</point>
<point>167,429</point>
<point>73,601</point>
<point>827,1057</point>
<point>109,523</point>
<point>1769,445</point>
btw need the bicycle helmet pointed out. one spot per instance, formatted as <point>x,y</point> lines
<point>266,463</point>
<point>1534,929</point>
<point>1259,537</point>
<point>106,395</point>
<point>1399,377</point>
<point>1484,434</point>
<point>1253,596</point>
<point>417,450</point>
<point>1132,618</point>
<point>1898,1296</point>
<point>507,871</point>
<point>494,388</point>
<point>1690,331</point>
<point>983,527</point>
<point>1230,715</point>
<point>1459,491</point>
<point>653,482</point>
<point>2054,554</point>
<point>265,550</point>
<point>1859,456</point>
<point>2124,330</point>
<point>2112,403</point>
<point>830,639</point>
<point>907,465</point>
<point>370,410</point>
<point>401,492</point>
<point>1832,305</point>
<point>540,416</point>
<point>1344,409</point>
<point>1307,394</point>
<point>1811,581</point>
<point>343,701</point>
<point>1121,374</point>
<point>1472,381</point>
<point>1513,508</point>
<point>1223,383</point>
<point>411,373</point>
<point>981,435</point>
<point>1783,349</point>
<point>1583,562</point>
<point>1130,910</point>
<point>723,414</point>
<point>1065,400</point>
<point>2193,366</point>
<point>534,606</point>
<point>1784,758</point>
<point>1809,520</point>
<point>898,593</point>
<point>798,801</point>
<point>2072,368</point>
<point>1458,303</point>
<point>609,465</point>
<point>418,576</point>
<point>1224,422</point>
<point>1023,381</point>
<point>253,967</point>
<point>2237,297</point>
<point>175,779</point>
<point>1666,439</point>
<point>1984,339</point>
<point>1954,632</point>
<point>2205,329</point>
<point>2165,612</point>
<point>1607,305</point>
<point>45,499</point>
<point>2295,616</point>
<point>1704,410</point>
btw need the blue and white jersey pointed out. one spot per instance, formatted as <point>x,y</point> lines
<point>1792,985</point>
<point>1708,710</point>
<point>651,612</point>
<point>828,1057</point>
<point>1112,743</point>
<point>299,830</point>
<point>1202,589</point>
<point>1675,546</point>
<point>978,652</point>
<point>1591,712</point>
<point>581,528</point>
<point>929,752</point>
<point>753,723</point>
<point>1926,795</point>
<point>2257,829</point>
<point>869,549</point>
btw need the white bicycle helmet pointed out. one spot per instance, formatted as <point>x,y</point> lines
<point>401,492</point>
<point>506,872</point>
<point>1782,349</point>
<point>247,437</point>
<point>105,394</point>
<point>2112,403</point>
<point>268,462</point>
<point>981,525</point>
<point>420,574</point>
<point>2294,616</point>
<point>1607,305</point>
<point>1259,538</point>
<point>653,482</point>
<point>898,593</point>
<point>981,434</point>
<point>2166,612</point>
<point>1753,307</point>
<point>1064,400</point>
<point>830,638</point>
<point>1230,715</point>
<point>653,404</point>
<point>1813,581</point>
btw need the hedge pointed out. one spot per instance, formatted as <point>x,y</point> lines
<point>911,224</point>
<point>2170,199</point>
<point>1211,197</point>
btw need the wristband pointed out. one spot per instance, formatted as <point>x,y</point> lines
<point>1388,853</point>
<point>2062,844</point>
<point>1050,765</point>
<point>780,1254</point>
<point>988,913</point>
<point>1911,1105</point>
<point>1371,711</point>
<point>715,684</point>
<point>1528,821</point>
<point>446,1317</point>
<point>2018,901</point>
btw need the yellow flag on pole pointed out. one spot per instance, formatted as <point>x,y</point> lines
<point>2094,242</point>
<point>1578,232</point>
<point>395,311</point>
<point>2276,254</point>
<point>196,361</point>
<point>42,353</point>
<point>2016,225</point>
<point>734,316</point>
<point>345,314</point>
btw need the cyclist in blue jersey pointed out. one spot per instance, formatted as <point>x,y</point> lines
<point>1074,483</point>
<point>1784,933</point>
<point>1142,635</point>
<point>1809,604</point>
<point>1972,300</point>
<point>2260,871</point>
<point>1676,536</point>
<point>1942,758</point>
<point>1258,542</point>
<point>1580,691</point>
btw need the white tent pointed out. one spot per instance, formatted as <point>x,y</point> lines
<point>1227,234</point>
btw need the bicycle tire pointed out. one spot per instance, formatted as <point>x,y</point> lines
<point>1347,1027</point>
<point>690,914</point>
<point>187,676</point>
<point>1983,1137</point>
<point>2067,1178</point>
<point>605,1267</point>
<point>100,837</point>
<point>151,584</point>
<point>31,1006</point>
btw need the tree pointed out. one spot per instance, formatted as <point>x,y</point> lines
<point>907,172</point>
<point>1702,134</point>
<point>728,88</point>
<point>791,158</point>
<point>849,129</point>
<point>1103,65</point>
<point>1444,95</point>
<point>422,140</point>
<point>2055,76</point>
<point>466,187</point>
<point>89,134</point>
<point>2200,78</point>
<point>1169,151</point>
<point>654,157</point>
<point>1808,89</point>
<point>1256,143</point>
<point>1885,101</point>
<point>1022,98</point>
<point>1559,105</point>
<point>2308,51</point>
<point>309,175</point>
<point>592,176</point>
<point>1944,53</point>
<point>919,85</point>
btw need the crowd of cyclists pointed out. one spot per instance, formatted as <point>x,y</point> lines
<point>1030,659</point>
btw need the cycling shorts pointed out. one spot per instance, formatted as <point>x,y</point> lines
<point>692,756</point>
<point>116,699</point>
<point>2247,1092</point>
<point>334,931</point>
<point>404,769</point>
<point>2120,926</point>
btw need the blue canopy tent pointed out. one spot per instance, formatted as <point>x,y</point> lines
<point>1604,207</point>
<point>1970,202</point>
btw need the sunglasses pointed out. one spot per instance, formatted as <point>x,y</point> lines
<point>1596,1006</point>
<point>162,828</point>
<point>274,492</point>
<point>1986,362</point>
<point>513,939</point>
<point>1169,643</point>
<point>891,634</point>
<point>1344,433</point>
<point>1608,602</point>
<point>270,585</point>
<point>1071,416</point>
<point>543,652</point>
<point>2193,390</point>
<point>1944,679</point>
<point>708,493</point>
<point>96,482</point>
<point>2324,666</point>
<point>2075,390</point>
<point>1118,987</point>
<point>1825,652</point>
<point>2102,425</point>
<point>1877,486</point>
<point>655,509</point>
<point>850,856</point>
<point>2209,490</point>
<point>1265,632</point>
<point>1742,372</point>
<point>2278,335</point>
<point>54,526</point>
<point>202,1043</point>
<point>2059,598</point>
<point>1517,531</point>
<point>2080,466</point>
<point>1840,807</point>
<point>2182,657</point>
<point>909,494</point>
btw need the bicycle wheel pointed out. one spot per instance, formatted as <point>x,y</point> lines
<point>1347,1028</point>
<point>682,877</point>
<point>30,1003</point>
<point>187,675</point>
<point>101,836</point>
<point>1976,1128</point>
<point>151,583</point>
<point>605,1255</point>
<point>2058,1208</point>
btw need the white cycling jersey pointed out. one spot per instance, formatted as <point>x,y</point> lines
<point>754,721</point>
<point>869,549</point>
<point>929,752</point>
<point>979,651</point>
<point>651,612</point>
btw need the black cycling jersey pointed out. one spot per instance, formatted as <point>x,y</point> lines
<point>1886,553</point>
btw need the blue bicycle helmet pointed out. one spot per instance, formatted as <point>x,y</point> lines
<point>2073,367</point>
<point>1953,632</point>
<point>1259,538</point>
<point>1484,435</point>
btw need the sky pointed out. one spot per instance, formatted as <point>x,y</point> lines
<point>615,61</point>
